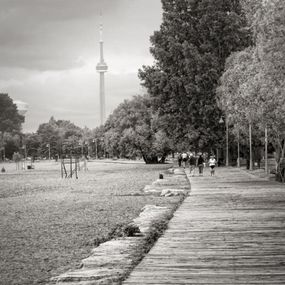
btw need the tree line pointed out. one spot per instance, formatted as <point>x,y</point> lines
<point>212,60</point>
<point>251,91</point>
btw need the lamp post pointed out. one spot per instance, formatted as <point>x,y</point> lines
<point>3,156</point>
<point>87,145</point>
<point>250,147</point>
<point>81,144</point>
<point>266,151</point>
<point>24,147</point>
<point>238,150</point>
<point>221,121</point>
<point>2,142</point>
<point>96,148</point>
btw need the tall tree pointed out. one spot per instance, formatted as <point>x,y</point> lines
<point>130,132</point>
<point>254,81</point>
<point>60,136</point>
<point>10,121</point>
<point>190,50</point>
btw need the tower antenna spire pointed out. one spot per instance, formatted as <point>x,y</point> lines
<point>101,27</point>
<point>102,68</point>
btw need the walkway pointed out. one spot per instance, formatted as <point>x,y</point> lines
<point>230,230</point>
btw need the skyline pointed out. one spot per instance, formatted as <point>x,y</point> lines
<point>49,53</point>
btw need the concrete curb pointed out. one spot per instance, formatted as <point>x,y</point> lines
<point>113,260</point>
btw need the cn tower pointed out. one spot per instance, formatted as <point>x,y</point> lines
<point>102,68</point>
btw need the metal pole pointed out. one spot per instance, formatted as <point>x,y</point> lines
<point>49,152</point>
<point>250,148</point>
<point>61,169</point>
<point>238,159</point>
<point>25,156</point>
<point>227,142</point>
<point>266,151</point>
<point>217,156</point>
<point>96,148</point>
<point>71,166</point>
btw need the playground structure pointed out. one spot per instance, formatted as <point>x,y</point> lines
<point>71,166</point>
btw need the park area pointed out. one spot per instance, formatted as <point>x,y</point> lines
<point>49,224</point>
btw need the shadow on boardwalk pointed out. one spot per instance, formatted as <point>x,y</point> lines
<point>230,230</point>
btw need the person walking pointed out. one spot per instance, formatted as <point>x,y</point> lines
<point>201,164</point>
<point>184,158</point>
<point>192,164</point>
<point>179,159</point>
<point>212,164</point>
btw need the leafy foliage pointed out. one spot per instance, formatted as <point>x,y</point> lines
<point>252,87</point>
<point>10,119</point>
<point>10,125</point>
<point>190,50</point>
<point>130,132</point>
<point>63,137</point>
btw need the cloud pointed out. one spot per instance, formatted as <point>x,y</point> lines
<point>72,95</point>
<point>49,50</point>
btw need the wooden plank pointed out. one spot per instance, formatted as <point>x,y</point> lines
<point>230,230</point>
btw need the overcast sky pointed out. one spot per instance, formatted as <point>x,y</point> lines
<point>49,50</point>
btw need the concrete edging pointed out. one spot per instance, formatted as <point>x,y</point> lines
<point>111,261</point>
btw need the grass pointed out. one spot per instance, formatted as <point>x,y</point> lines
<point>48,224</point>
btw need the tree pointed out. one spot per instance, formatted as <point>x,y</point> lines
<point>10,120</point>
<point>254,81</point>
<point>190,50</point>
<point>130,132</point>
<point>60,136</point>
<point>33,145</point>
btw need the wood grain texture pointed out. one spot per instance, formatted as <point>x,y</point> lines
<point>230,230</point>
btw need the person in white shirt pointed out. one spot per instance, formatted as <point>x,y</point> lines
<point>184,158</point>
<point>212,164</point>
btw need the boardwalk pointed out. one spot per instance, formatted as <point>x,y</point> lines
<point>230,230</point>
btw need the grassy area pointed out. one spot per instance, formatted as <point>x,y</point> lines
<point>49,224</point>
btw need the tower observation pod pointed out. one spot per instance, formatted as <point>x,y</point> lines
<point>102,68</point>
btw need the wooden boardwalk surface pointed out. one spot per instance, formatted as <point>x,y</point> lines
<point>230,230</point>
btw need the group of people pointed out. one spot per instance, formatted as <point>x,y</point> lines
<point>199,161</point>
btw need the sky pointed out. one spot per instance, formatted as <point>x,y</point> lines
<point>49,50</point>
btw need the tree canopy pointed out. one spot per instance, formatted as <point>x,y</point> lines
<point>60,136</point>
<point>10,124</point>
<point>190,50</point>
<point>252,86</point>
<point>131,132</point>
<point>10,119</point>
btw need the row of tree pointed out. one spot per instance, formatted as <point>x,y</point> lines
<point>252,88</point>
<point>211,59</point>
<point>180,110</point>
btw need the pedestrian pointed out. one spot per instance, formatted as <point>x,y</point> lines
<point>192,164</point>
<point>201,164</point>
<point>212,164</point>
<point>179,159</point>
<point>17,159</point>
<point>184,158</point>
